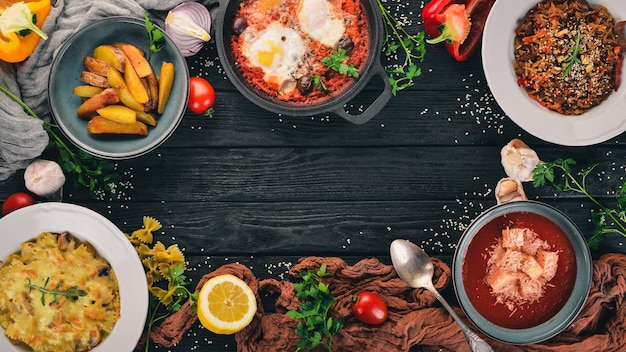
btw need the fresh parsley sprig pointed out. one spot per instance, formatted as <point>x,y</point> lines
<point>607,220</point>
<point>574,57</point>
<point>413,49</point>
<point>95,174</point>
<point>156,37</point>
<point>177,290</point>
<point>72,293</point>
<point>316,326</point>
<point>337,62</point>
<point>319,84</point>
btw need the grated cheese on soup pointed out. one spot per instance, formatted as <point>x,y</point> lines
<point>519,267</point>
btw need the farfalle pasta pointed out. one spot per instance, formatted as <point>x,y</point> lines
<point>157,259</point>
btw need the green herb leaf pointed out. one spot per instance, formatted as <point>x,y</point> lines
<point>559,175</point>
<point>337,61</point>
<point>573,58</point>
<point>177,283</point>
<point>156,37</point>
<point>317,83</point>
<point>316,326</point>
<point>72,293</point>
<point>406,48</point>
<point>95,174</point>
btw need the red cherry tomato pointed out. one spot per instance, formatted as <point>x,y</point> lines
<point>201,96</point>
<point>370,308</point>
<point>16,201</point>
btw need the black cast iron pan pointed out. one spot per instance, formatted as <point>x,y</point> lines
<point>223,19</point>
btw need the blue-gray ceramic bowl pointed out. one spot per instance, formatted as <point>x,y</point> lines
<point>569,295</point>
<point>65,75</point>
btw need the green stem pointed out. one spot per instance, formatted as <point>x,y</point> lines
<point>583,190</point>
<point>393,24</point>
<point>47,126</point>
<point>151,321</point>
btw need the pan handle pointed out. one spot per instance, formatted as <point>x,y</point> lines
<point>377,104</point>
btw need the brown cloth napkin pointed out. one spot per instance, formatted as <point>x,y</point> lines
<point>415,322</point>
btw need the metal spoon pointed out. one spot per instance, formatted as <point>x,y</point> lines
<point>414,267</point>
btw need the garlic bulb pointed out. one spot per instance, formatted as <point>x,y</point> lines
<point>518,160</point>
<point>509,190</point>
<point>44,177</point>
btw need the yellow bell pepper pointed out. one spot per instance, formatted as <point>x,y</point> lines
<point>14,47</point>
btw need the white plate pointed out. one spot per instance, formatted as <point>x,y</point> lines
<point>597,125</point>
<point>86,225</point>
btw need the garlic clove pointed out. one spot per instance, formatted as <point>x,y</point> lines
<point>44,177</point>
<point>519,160</point>
<point>509,190</point>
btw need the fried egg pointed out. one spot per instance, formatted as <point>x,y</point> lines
<point>318,19</point>
<point>277,50</point>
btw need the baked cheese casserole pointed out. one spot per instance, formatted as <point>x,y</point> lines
<point>58,295</point>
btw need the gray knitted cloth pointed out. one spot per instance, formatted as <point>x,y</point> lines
<point>22,137</point>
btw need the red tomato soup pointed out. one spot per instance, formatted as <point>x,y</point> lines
<point>557,290</point>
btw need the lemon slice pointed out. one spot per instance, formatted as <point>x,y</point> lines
<point>226,304</point>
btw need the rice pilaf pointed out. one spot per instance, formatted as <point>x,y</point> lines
<point>567,55</point>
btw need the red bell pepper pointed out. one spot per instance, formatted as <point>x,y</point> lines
<point>458,23</point>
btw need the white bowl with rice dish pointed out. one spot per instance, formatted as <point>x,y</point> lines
<point>597,124</point>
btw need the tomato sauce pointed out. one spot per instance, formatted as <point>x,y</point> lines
<point>557,290</point>
<point>310,64</point>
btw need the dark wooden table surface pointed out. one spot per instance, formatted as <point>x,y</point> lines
<point>264,190</point>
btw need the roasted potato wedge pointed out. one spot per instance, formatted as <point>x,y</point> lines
<point>166,80</point>
<point>153,89</point>
<point>118,113</point>
<point>147,118</point>
<point>96,66</point>
<point>94,79</point>
<point>101,125</point>
<point>86,91</point>
<point>111,55</point>
<point>117,81</point>
<point>135,56</point>
<point>135,85</point>
<point>89,107</point>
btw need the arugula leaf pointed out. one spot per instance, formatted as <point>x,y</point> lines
<point>156,37</point>
<point>72,293</point>
<point>316,326</point>
<point>607,220</point>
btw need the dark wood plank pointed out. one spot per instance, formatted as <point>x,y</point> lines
<point>323,174</point>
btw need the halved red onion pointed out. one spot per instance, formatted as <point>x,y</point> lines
<point>189,26</point>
